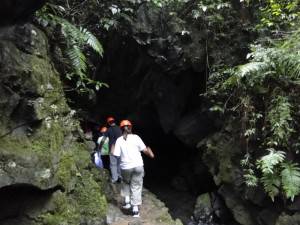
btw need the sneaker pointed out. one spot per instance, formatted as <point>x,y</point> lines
<point>126,206</point>
<point>135,214</point>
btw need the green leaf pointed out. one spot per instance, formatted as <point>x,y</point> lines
<point>268,162</point>
<point>290,176</point>
<point>271,183</point>
<point>92,41</point>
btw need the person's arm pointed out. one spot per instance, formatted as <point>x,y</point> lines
<point>116,149</point>
<point>112,149</point>
<point>148,152</point>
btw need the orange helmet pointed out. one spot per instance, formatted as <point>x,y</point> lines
<point>125,123</point>
<point>110,119</point>
<point>103,129</point>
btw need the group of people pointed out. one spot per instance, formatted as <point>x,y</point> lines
<point>123,149</point>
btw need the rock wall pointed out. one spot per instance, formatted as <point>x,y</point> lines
<point>44,162</point>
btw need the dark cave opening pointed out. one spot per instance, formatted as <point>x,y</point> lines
<point>177,176</point>
<point>153,96</point>
<point>19,201</point>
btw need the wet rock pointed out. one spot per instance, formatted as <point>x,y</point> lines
<point>268,216</point>
<point>240,211</point>
<point>43,158</point>
<point>203,208</point>
<point>285,219</point>
<point>209,208</point>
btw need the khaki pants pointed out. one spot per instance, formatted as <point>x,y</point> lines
<point>133,184</point>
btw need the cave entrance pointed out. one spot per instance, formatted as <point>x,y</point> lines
<point>144,89</point>
<point>21,203</point>
<point>177,175</point>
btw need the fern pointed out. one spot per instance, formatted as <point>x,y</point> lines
<point>78,60</point>
<point>92,41</point>
<point>280,117</point>
<point>271,80</point>
<point>290,176</point>
<point>271,183</point>
<point>268,162</point>
<point>250,179</point>
<point>250,68</point>
<point>75,39</point>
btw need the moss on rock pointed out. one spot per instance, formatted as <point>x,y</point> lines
<point>40,143</point>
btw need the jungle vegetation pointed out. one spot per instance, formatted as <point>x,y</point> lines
<point>261,95</point>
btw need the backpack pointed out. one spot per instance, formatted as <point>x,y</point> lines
<point>105,148</point>
<point>96,159</point>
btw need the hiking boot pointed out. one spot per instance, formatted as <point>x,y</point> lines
<point>135,214</point>
<point>126,206</point>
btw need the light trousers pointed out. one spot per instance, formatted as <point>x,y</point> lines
<point>115,170</point>
<point>132,185</point>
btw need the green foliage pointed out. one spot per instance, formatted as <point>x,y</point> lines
<point>262,96</point>
<point>271,183</point>
<point>163,3</point>
<point>279,117</point>
<point>250,179</point>
<point>290,176</point>
<point>90,199</point>
<point>267,163</point>
<point>75,40</point>
<point>277,14</point>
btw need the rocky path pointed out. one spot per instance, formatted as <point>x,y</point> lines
<point>152,212</point>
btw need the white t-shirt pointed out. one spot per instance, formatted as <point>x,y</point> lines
<point>129,151</point>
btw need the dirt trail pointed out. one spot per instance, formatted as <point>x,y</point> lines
<point>152,212</point>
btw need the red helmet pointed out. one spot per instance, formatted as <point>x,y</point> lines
<point>125,123</point>
<point>103,129</point>
<point>110,119</point>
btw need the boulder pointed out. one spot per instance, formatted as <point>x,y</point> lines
<point>239,209</point>
<point>203,208</point>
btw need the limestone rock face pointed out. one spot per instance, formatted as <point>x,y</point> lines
<point>43,157</point>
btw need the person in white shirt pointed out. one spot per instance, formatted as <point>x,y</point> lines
<point>129,147</point>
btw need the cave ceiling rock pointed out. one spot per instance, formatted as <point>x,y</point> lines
<point>176,48</point>
<point>172,42</point>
